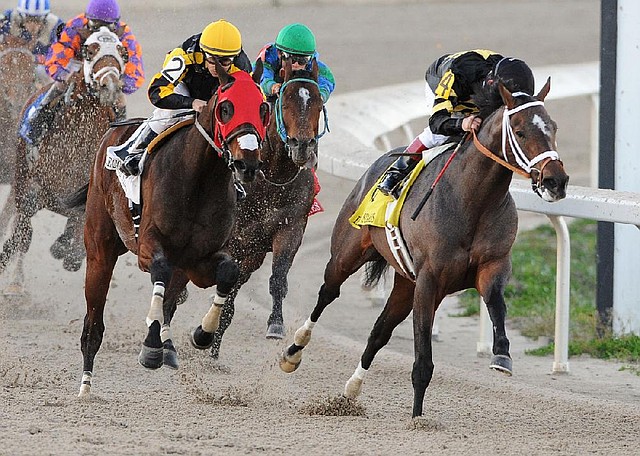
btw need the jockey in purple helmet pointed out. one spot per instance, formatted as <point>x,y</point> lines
<point>63,60</point>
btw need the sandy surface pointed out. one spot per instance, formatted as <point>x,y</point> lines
<point>243,403</point>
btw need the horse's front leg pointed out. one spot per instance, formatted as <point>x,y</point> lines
<point>175,294</point>
<point>285,246</point>
<point>16,247</point>
<point>152,354</point>
<point>425,303</point>
<point>492,280</point>
<point>226,272</point>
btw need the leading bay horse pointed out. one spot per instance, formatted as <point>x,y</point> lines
<point>48,172</point>
<point>188,209</point>
<point>274,214</point>
<point>461,239</point>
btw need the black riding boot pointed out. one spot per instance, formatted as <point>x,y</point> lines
<point>396,173</point>
<point>130,164</point>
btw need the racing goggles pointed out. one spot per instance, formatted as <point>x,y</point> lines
<point>297,58</point>
<point>94,25</point>
<point>223,61</point>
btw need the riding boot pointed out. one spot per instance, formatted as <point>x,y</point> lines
<point>134,150</point>
<point>401,168</point>
<point>40,115</point>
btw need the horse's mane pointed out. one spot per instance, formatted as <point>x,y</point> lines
<point>487,99</point>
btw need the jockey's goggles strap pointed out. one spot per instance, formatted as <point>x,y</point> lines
<point>509,135</point>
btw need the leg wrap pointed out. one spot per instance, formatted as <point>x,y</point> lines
<point>155,310</point>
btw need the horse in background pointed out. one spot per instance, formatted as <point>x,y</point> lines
<point>17,83</point>
<point>461,238</point>
<point>188,202</point>
<point>48,172</point>
<point>273,217</point>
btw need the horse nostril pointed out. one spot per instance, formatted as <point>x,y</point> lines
<point>240,165</point>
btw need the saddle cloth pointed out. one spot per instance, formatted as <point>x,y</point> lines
<point>131,184</point>
<point>373,208</point>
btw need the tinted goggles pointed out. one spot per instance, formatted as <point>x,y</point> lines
<point>223,61</point>
<point>297,58</point>
<point>95,24</point>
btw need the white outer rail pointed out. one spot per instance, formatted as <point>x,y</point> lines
<point>359,119</point>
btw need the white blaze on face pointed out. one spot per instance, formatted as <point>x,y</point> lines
<point>248,142</point>
<point>304,94</point>
<point>538,122</point>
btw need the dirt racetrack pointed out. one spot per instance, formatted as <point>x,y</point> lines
<point>243,403</point>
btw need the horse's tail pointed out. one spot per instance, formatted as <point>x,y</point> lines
<point>374,270</point>
<point>77,198</point>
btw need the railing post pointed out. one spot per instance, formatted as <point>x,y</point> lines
<point>561,353</point>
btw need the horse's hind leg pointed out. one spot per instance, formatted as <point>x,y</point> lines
<point>103,248</point>
<point>226,277</point>
<point>348,254</point>
<point>396,310</point>
<point>491,282</point>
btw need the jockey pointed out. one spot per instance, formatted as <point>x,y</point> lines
<point>34,26</point>
<point>451,82</point>
<point>187,80</point>
<point>63,60</point>
<point>297,42</point>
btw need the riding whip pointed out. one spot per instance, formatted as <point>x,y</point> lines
<point>440,174</point>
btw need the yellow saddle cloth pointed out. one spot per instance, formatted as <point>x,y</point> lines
<point>373,207</point>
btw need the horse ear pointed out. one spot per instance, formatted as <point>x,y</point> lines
<point>507,98</point>
<point>257,71</point>
<point>545,90</point>
<point>84,34</point>
<point>223,76</point>
<point>287,69</point>
<point>314,70</point>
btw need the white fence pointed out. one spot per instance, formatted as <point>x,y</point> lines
<point>359,120</point>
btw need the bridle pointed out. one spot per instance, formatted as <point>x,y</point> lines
<point>281,128</point>
<point>526,167</point>
<point>108,47</point>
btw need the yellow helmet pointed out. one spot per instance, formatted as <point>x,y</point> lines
<point>221,38</point>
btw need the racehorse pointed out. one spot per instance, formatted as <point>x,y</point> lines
<point>274,214</point>
<point>51,170</point>
<point>188,209</point>
<point>18,81</point>
<point>461,238</point>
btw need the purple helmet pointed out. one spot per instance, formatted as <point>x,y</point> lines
<point>103,10</point>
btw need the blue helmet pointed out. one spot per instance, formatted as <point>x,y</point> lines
<point>33,7</point>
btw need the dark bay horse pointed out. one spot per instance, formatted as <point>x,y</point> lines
<point>17,83</point>
<point>274,214</point>
<point>188,209</point>
<point>50,171</point>
<point>461,239</point>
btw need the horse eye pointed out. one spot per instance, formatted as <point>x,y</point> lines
<point>225,112</point>
<point>520,134</point>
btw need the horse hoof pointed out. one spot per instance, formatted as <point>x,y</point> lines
<point>170,355</point>
<point>58,251</point>
<point>13,290</point>
<point>71,264</point>
<point>275,331</point>
<point>151,358</point>
<point>287,366</point>
<point>201,339</point>
<point>502,363</point>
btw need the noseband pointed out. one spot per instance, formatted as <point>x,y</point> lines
<point>526,166</point>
